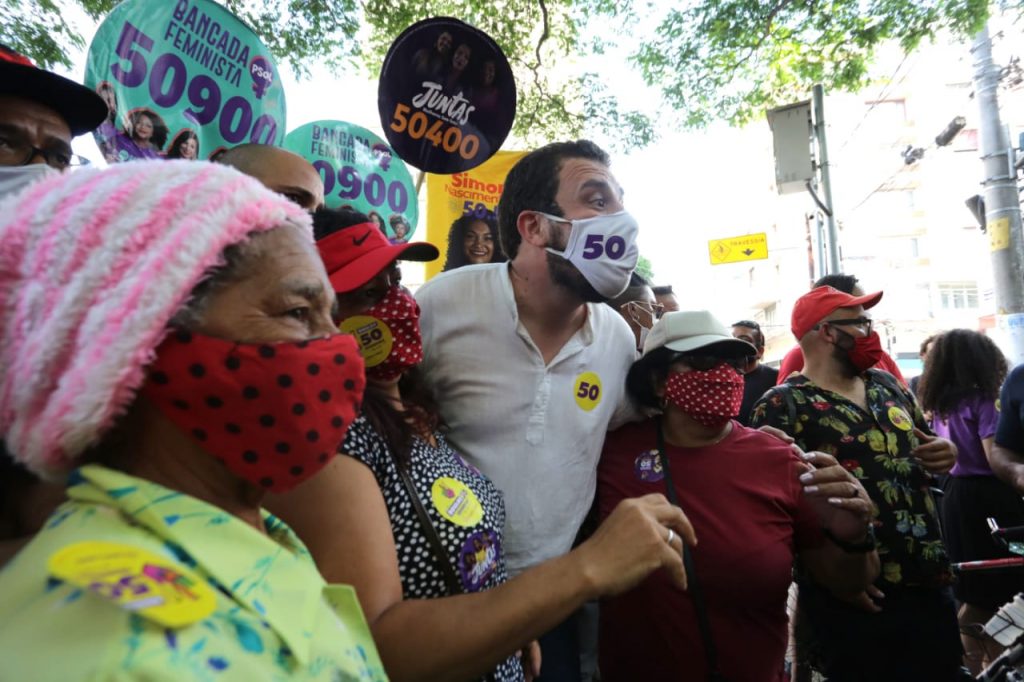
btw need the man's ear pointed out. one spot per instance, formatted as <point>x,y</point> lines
<point>533,228</point>
<point>760,352</point>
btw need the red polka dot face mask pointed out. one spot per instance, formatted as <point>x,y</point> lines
<point>710,397</point>
<point>274,414</point>
<point>400,314</point>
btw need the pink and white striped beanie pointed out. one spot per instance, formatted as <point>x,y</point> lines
<point>93,265</point>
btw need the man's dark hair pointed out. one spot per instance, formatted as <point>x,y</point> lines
<point>758,334</point>
<point>327,221</point>
<point>663,290</point>
<point>845,283</point>
<point>532,184</point>
<point>634,291</point>
<point>961,363</point>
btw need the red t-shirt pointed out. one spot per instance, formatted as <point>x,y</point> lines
<point>745,503</point>
<point>793,361</point>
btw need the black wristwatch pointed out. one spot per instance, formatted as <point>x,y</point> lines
<point>868,545</point>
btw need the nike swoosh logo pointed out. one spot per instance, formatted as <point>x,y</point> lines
<point>359,242</point>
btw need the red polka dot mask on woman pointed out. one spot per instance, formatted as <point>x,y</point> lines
<point>274,414</point>
<point>710,397</point>
<point>400,314</point>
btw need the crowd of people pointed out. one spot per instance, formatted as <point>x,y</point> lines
<point>236,447</point>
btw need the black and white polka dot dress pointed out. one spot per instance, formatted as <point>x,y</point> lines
<point>464,506</point>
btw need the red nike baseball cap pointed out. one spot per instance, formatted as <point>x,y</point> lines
<point>354,255</point>
<point>811,308</point>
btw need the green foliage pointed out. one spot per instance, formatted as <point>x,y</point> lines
<point>732,59</point>
<point>644,268</point>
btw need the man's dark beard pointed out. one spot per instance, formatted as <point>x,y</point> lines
<point>565,274</point>
<point>846,367</point>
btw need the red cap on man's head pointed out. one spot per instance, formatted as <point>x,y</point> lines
<point>354,255</point>
<point>815,305</point>
<point>81,108</point>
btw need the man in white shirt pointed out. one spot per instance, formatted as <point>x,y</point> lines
<point>526,364</point>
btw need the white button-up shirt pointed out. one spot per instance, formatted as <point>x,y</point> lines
<point>536,430</point>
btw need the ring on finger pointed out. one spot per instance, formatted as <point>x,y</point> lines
<point>671,536</point>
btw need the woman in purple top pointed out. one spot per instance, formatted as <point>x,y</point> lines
<point>960,387</point>
<point>143,137</point>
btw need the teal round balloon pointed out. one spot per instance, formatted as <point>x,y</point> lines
<point>360,171</point>
<point>182,79</point>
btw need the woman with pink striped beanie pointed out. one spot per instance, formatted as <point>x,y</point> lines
<point>166,347</point>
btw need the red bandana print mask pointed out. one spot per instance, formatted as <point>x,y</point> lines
<point>400,315</point>
<point>711,398</point>
<point>273,413</point>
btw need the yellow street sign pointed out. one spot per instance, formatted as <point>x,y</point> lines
<point>738,249</point>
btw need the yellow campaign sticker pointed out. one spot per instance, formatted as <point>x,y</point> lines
<point>999,404</point>
<point>900,419</point>
<point>374,337</point>
<point>155,587</point>
<point>587,391</point>
<point>456,502</point>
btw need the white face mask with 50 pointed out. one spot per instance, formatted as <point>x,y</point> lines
<point>603,249</point>
<point>15,178</point>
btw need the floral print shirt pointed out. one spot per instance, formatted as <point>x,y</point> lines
<point>874,445</point>
<point>129,580</point>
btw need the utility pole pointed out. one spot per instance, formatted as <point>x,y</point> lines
<point>1002,205</point>
<point>834,264</point>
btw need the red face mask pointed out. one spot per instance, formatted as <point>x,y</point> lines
<point>711,397</point>
<point>273,413</point>
<point>388,335</point>
<point>866,351</point>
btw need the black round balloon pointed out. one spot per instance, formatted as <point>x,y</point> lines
<point>447,97</point>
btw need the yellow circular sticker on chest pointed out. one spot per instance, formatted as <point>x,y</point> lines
<point>155,587</point>
<point>456,502</point>
<point>374,337</point>
<point>900,419</point>
<point>587,391</point>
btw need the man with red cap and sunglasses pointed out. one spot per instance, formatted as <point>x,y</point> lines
<point>905,626</point>
<point>39,114</point>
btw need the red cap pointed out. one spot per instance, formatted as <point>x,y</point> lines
<point>354,255</point>
<point>815,305</point>
<point>80,107</point>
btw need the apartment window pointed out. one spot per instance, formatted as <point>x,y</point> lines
<point>958,295</point>
<point>770,315</point>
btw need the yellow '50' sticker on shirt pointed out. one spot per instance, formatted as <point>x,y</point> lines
<point>900,419</point>
<point>587,391</point>
<point>374,337</point>
<point>156,588</point>
<point>456,502</point>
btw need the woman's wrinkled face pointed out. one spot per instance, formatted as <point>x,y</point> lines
<point>478,244</point>
<point>189,148</point>
<point>280,293</point>
<point>143,128</point>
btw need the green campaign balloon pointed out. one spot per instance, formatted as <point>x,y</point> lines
<point>360,171</point>
<point>182,79</point>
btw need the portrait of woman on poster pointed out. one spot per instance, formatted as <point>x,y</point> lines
<point>185,145</point>
<point>378,220</point>
<point>485,95</point>
<point>143,136</point>
<point>472,240</point>
<point>400,229</point>
<point>107,131</point>
<point>457,68</point>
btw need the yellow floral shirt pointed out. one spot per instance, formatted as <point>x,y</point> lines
<point>131,581</point>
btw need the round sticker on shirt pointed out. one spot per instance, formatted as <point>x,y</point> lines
<point>647,467</point>
<point>478,559</point>
<point>374,337</point>
<point>447,96</point>
<point>587,391</point>
<point>900,419</point>
<point>156,588</point>
<point>456,502</point>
